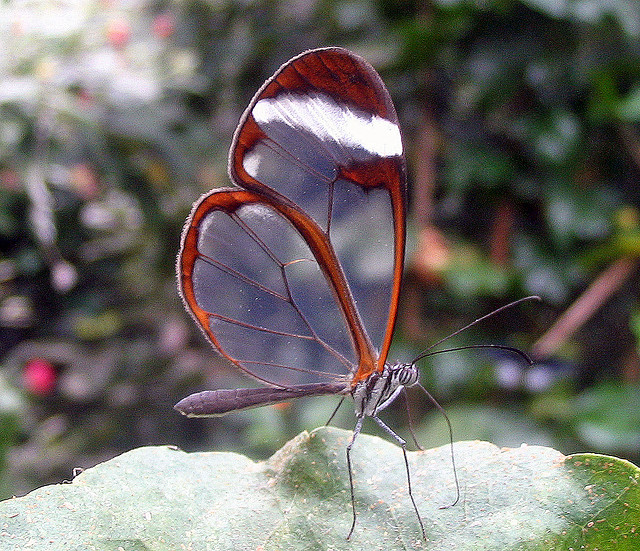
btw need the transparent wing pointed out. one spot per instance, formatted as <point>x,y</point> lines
<point>253,284</point>
<point>323,134</point>
<point>296,279</point>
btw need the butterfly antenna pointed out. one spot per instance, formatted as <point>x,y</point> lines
<point>428,351</point>
<point>511,349</point>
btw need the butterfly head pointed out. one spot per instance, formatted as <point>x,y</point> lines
<point>380,389</point>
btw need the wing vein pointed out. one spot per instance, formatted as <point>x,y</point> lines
<point>241,277</point>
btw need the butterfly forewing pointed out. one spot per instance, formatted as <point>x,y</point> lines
<point>289,281</point>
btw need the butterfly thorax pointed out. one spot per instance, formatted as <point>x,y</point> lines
<point>380,389</point>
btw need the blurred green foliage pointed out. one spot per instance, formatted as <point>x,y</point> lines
<point>115,117</point>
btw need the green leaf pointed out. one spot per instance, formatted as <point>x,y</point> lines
<point>162,498</point>
<point>606,416</point>
<point>629,106</point>
<point>467,166</point>
<point>470,274</point>
<point>570,214</point>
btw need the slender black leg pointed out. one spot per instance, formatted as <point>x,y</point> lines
<point>409,419</point>
<point>453,458</point>
<point>334,411</point>
<point>356,431</point>
<point>403,444</point>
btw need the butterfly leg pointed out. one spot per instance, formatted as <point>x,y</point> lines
<point>388,402</point>
<point>403,444</point>
<point>356,431</point>
<point>409,419</point>
<point>400,390</point>
<point>334,412</point>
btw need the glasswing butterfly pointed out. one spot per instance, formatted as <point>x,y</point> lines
<point>294,274</point>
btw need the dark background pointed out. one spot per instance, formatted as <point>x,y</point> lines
<point>520,120</point>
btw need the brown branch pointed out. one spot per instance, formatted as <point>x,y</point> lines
<point>630,142</point>
<point>426,154</point>
<point>500,239</point>
<point>605,285</point>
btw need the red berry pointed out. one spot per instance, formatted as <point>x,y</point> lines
<point>118,33</point>
<point>39,376</point>
<point>164,25</point>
